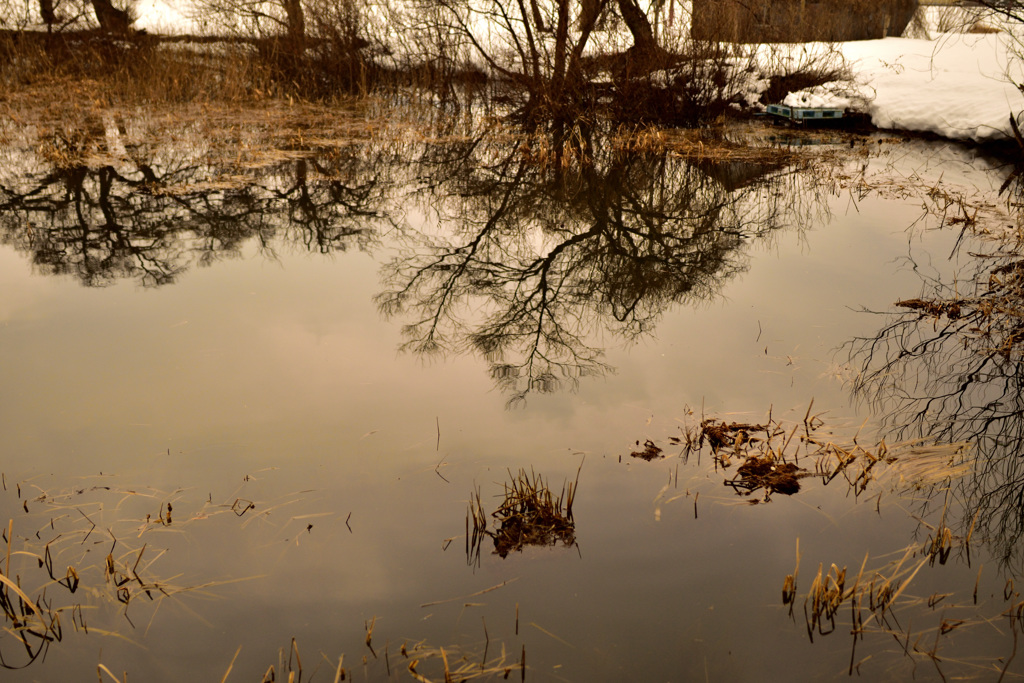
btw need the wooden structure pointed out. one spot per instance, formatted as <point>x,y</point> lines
<point>799,21</point>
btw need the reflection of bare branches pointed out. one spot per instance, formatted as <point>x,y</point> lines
<point>950,367</point>
<point>329,214</point>
<point>105,224</point>
<point>524,266</point>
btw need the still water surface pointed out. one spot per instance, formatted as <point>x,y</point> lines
<point>357,337</point>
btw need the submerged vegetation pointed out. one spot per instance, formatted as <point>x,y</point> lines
<point>417,661</point>
<point>776,455</point>
<point>84,559</point>
<point>104,561</point>
<point>911,597</point>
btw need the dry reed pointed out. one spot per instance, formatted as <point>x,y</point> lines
<point>529,514</point>
<point>51,570</point>
<point>775,456</point>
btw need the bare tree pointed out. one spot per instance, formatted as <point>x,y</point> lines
<point>60,15</point>
<point>1012,10</point>
<point>798,21</point>
<point>281,21</point>
<point>540,46</point>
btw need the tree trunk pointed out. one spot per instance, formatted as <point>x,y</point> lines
<point>590,12</point>
<point>639,26</point>
<point>48,15</point>
<point>561,46</point>
<point>296,27</point>
<point>112,20</point>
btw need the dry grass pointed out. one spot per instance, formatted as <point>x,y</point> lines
<point>795,21</point>
<point>232,141</point>
<point>707,146</point>
<point>52,574</point>
<point>962,18</point>
<point>883,602</point>
<point>420,661</point>
<point>140,72</point>
<point>880,597</point>
<point>993,319</point>
<point>694,82</point>
<point>776,455</point>
<point>875,598</point>
<point>747,145</point>
<point>529,514</point>
<point>988,313</point>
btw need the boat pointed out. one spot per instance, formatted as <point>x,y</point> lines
<point>801,115</point>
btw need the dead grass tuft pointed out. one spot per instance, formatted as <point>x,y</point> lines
<point>769,455</point>
<point>529,514</point>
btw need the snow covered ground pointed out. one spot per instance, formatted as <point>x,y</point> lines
<point>957,85</point>
<point>952,83</point>
<point>165,16</point>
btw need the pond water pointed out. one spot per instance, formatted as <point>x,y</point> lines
<point>266,375</point>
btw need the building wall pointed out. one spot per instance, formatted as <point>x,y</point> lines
<point>798,21</point>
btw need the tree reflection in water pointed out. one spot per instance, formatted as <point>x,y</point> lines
<point>150,219</point>
<point>527,266</point>
<point>523,262</point>
<point>949,366</point>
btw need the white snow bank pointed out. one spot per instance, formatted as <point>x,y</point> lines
<point>958,86</point>
<point>165,16</point>
<point>826,95</point>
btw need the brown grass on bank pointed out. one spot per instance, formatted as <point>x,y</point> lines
<point>173,69</point>
<point>701,83</point>
<point>798,21</point>
<point>100,70</point>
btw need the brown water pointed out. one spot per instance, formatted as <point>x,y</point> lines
<point>208,341</point>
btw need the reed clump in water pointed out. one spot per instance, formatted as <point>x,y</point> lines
<point>875,598</point>
<point>529,514</point>
<point>775,456</point>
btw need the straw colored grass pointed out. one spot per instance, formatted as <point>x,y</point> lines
<point>53,572</point>
<point>419,661</point>
<point>776,455</point>
<point>530,514</point>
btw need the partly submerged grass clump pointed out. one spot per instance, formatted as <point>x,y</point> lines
<point>882,602</point>
<point>422,662</point>
<point>886,602</point>
<point>529,514</point>
<point>775,456</point>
